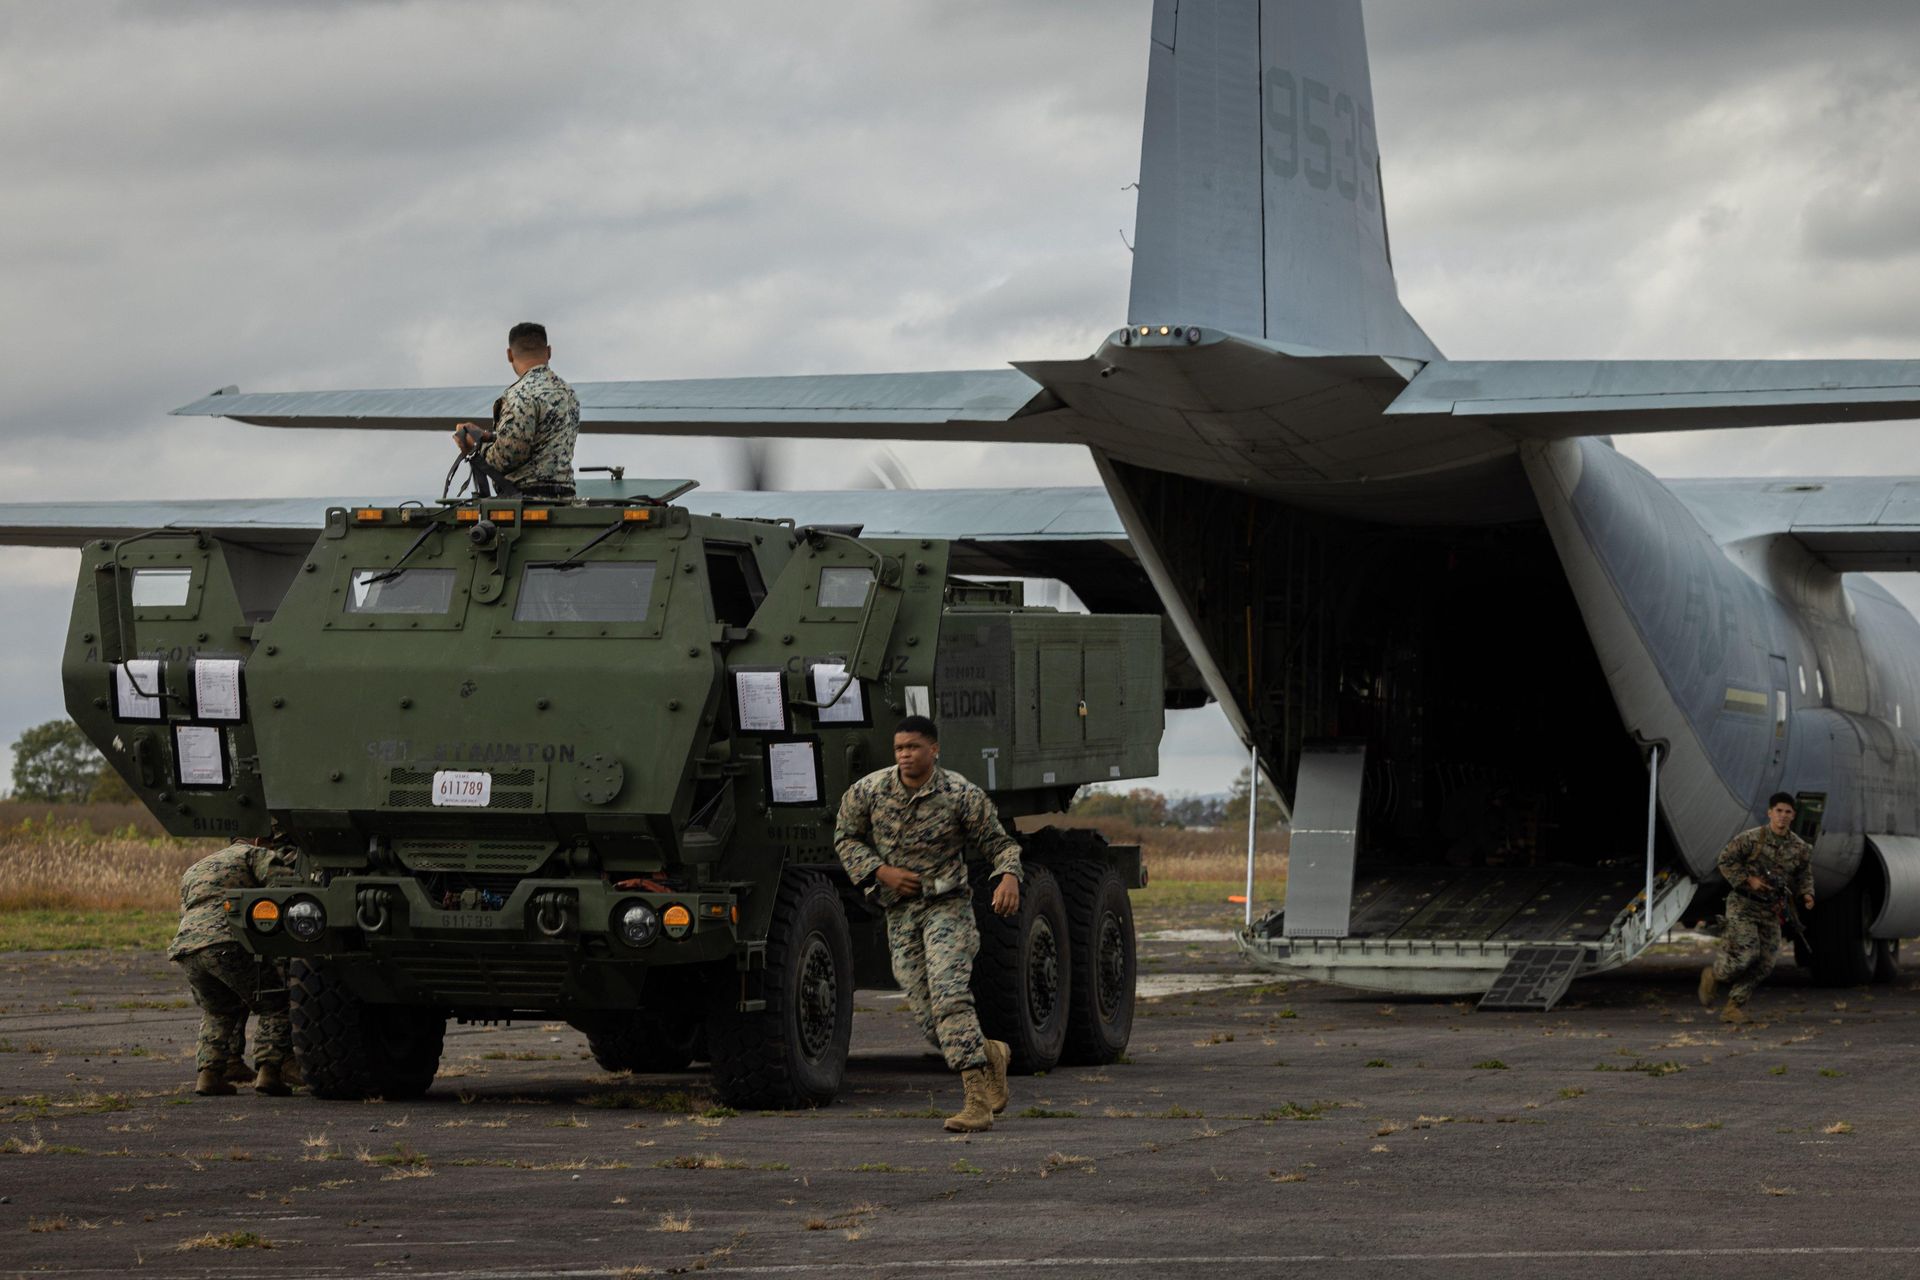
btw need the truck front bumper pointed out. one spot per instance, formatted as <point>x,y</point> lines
<point>551,946</point>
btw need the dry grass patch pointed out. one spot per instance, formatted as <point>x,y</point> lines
<point>707,1161</point>
<point>226,1240</point>
<point>682,1221</point>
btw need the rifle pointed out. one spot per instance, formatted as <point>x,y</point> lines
<point>1787,909</point>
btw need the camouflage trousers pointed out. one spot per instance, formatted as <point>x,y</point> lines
<point>1748,949</point>
<point>228,985</point>
<point>933,945</point>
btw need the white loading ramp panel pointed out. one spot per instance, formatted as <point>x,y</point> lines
<point>1453,931</point>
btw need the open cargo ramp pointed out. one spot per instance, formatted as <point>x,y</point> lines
<point>1453,931</point>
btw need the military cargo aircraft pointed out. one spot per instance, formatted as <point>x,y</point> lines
<point>1454,621</point>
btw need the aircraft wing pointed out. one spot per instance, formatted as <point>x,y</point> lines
<point>1851,524</point>
<point>1556,399</point>
<point>1050,516</point>
<point>1071,534</point>
<point>976,404</point>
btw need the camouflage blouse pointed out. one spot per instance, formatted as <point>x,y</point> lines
<point>1759,851</point>
<point>930,829</point>
<point>539,421</point>
<point>204,889</point>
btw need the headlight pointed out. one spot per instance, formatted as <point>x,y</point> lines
<point>305,919</point>
<point>265,915</point>
<point>637,924</point>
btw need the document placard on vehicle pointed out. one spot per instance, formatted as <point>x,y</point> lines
<point>840,696</point>
<point>793,772</point>
<point>759,700</point>
<point>462,788</point>
<point>199,755</point>
<point>136,690</point>
<point>216,688</point>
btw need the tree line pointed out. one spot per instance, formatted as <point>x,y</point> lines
<point>53,763</point>
<point>1145,807</point>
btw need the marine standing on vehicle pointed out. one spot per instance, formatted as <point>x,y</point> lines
<point>531,445</point>
<point>1765,865</point>
<point>903,835</point>
<point>227,981</point>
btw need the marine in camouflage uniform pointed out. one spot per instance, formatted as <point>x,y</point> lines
<point>535,423</point>
<point>1751,942</point>
<point>928,830</point>
<point>539,422</point>
<point>227,982</point>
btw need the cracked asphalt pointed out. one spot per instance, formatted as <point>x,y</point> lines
<point>1266,1126</point>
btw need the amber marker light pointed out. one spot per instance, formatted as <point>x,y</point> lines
<point>677,920</point>
<point>265,915</point>
<point>636,515</point>
<point>500,517</point>
<point>467,515</point>
<point>369,515</point>
<point>537,516</point>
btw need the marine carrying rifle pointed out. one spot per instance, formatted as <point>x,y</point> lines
<point>1780,894</point>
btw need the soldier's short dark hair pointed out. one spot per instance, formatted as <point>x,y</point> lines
<point>1782,797</point>
<point>920,725</point>
<point>527,337</point>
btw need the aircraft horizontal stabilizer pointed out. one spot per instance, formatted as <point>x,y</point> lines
<point>1850,524</point>
<point>978,404</point>
<point>1559,399</point>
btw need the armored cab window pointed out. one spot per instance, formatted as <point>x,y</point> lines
<point>161,588</point>
<point>409,591</point>
<point>844,586</point>
<point>596,591</point>
<point>734,578</point>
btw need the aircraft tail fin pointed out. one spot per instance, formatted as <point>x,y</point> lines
<point>1260,210</point>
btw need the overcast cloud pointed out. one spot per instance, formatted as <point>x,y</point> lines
<point>335,195</point>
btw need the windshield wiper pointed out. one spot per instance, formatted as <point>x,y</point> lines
<point>573,561</point>
<point>394,572</point>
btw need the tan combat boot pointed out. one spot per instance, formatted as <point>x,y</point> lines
<point>290,1072</point>
<point>268,1081</point>
<point>1736,1014</point>
<point>977,1115</point>
<point>1709,987</point>
<point>238,1072</point>
<point>212,1083</point>
<point>999,1054</point>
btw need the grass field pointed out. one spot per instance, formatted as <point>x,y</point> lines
<point>84,876</point>
<point>79,876</point>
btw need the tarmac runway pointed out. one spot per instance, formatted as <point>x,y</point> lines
<point>1263,1128</point>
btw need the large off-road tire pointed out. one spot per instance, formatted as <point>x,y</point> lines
<point>646,1040</point>
<point>1104,962</point>
<point>1022,979</point>
<point>348,1048</point>
<point>1886,961</point>
<point>793,1053</point>
<point>1843,953</point>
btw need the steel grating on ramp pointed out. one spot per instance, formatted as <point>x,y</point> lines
<point>1535,979</point>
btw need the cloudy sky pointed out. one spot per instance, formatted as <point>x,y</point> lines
<point>329,195</point>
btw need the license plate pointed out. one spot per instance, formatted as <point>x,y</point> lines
<point>462,788</point>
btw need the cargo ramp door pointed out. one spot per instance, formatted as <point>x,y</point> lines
<point>1455,931</point>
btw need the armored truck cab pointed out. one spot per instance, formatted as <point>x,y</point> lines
<point>583,761</point>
